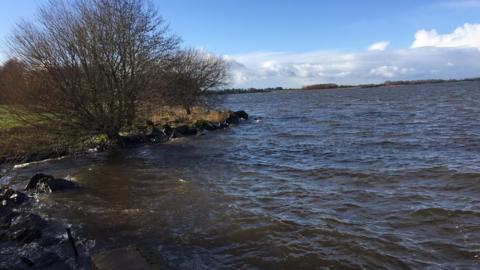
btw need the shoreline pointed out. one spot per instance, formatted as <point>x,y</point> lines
<point>32,241</point>
<point>152,133</point>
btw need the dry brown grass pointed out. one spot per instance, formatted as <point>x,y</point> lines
<point>174,115</point>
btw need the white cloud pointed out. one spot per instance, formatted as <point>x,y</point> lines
<point>467,35</point>
<point>379,46</point>
<point>388,71</point>
<point>296,69</point>
<point>432,56</point>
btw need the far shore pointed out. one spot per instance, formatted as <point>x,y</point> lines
<point>330,86</point>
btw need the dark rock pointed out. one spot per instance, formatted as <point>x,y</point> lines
<point>26,228</point>
<point>168,130</point>
<point>133,139</point>
<point>27,261</point>
<point>155,135</point>
<point>26,235</point>
<point>9,197</point>
<point>207,125</point>
<point>47,183</point>
<point>224,124</point>
<point>234,117</point>
<point>184,130</point>
<point>242,114</point>
<point>37,257</point>
<point>6,218</point>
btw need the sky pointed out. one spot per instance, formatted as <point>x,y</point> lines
<point>292,43</point>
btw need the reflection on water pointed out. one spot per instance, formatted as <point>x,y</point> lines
<point>373,178</point>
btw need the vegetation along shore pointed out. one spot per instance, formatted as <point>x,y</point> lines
<point>89,76</point>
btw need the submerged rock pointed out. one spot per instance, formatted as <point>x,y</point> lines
<point>48,184</point>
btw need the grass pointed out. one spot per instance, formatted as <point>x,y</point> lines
<point>176,115</point>
<point>8,120</point>
<point>20,140</point>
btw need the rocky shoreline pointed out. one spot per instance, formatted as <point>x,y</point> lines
<point>30,241</point>
<point>151,133</point>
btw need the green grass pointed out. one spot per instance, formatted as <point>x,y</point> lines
<point>7,119</point>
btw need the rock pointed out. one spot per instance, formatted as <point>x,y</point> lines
<point>6,218</point>
<point>155,135</point>
<point>224,125</point>
<point>133,139</point>
<point>26,235</point>
<point>234,117</point>
<point>184,130</point>
<point>26,228</point>
<point>47,183</point>
<point>37,257</point>
<point>242,114</point>
<point>10,197</point>
<point>168,130</point>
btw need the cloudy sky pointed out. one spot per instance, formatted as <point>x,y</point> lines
<point>292,43</point>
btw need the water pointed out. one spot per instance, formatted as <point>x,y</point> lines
<point>365,178</point>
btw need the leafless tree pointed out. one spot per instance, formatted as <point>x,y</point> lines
<point>92,59</point>
<point>12,79</point>
<point>192,73</point>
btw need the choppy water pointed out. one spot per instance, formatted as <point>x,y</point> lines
<point>370,178</point>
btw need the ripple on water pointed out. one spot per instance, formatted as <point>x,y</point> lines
<point>381,178</point>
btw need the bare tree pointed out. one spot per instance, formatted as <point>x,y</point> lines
<point>12,80</point>
<point>91,60</point>
<point>192,73</point>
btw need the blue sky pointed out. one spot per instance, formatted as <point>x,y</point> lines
<point>292,43</point>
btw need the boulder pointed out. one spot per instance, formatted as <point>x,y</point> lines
<point>184,130</point>
<point>10,197</point>
<point>155,135</point>
<point>36,257</point>
<point>47,183</point>
<point>26,228</point>
<point>132,139</point>
<point>207,125</point>
<point>242,114</point>
<point>234,117</point>
<point>168,130</point>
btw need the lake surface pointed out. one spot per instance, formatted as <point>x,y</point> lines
<point>340,179</point>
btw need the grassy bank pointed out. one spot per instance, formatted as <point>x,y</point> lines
<point>21,142</point>
<point>7,119</point>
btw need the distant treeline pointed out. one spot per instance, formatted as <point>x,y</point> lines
<point>386,83</point>
<point>245,90</point>
<point>321,86</point>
